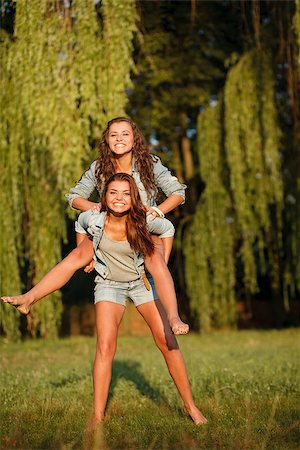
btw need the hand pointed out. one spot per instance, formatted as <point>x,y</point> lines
<point>154,212</point>
<point>96,207</point>
<point>90,267</point>
<point>150,211</point>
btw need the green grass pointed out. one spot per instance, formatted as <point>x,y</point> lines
<point>246,383</point>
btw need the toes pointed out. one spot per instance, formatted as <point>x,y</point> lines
<point>9,300</point>
<point>23,309</point>
<point>180,329</point>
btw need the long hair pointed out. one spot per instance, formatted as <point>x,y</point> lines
<point>105,166</point>
<point>137,233</point>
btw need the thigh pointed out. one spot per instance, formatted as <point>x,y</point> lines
<point>108,319</point>
<point>158,246</point>
<point>84,252</point>
<point>155,316</point>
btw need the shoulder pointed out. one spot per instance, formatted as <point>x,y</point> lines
<point>98,218</point>
<point>93,165</point>
<point>90,172</point>
<point>157,164</point>
<point>155,159</point>
<point>93,217</point>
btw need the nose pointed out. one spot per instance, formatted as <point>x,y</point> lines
<point>119,137</point>
<point>119,196</point>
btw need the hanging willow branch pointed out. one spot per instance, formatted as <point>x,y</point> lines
<point>54,101</point>
<point>10,227</point>
<point>292,206</point>
<point>209,242</point>
<point>252,147</point>
<point>296,26</point>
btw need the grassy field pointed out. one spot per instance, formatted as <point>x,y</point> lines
<point>246,383</point>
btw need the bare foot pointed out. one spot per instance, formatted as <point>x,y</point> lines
<point>94,434</point>
<point>21,302</point>
<point>196,415</point>
<point>178,327</point>
<point>95,421</point>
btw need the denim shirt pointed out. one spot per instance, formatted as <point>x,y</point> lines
<point>163,179</point>
<point>92,223</point>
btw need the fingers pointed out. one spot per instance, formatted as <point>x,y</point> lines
<point>90,267</point>
<point>152,213</point>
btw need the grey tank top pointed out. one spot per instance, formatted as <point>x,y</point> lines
<point>119,258</point>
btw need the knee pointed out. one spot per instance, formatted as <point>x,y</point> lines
<point>80,257</point>
<point>166,343</point>
<point>105,349</point>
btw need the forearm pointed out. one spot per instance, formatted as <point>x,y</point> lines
<point>82,204</point>
<point>170,203</point>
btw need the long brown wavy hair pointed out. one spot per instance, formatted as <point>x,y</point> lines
<point>137,233</point>
<point>105,166</point>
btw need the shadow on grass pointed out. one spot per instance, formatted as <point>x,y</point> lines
<point>129,370</point>
<point>70,379</point>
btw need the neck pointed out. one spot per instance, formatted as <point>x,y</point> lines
<point>123,163</point>
<point>115,218</point>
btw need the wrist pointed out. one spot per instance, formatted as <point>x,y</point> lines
<point>158,211</point>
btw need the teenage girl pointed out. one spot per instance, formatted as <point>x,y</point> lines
<point>120,236</point>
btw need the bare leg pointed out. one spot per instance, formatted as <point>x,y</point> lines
<point>155,317</point>
<point>164,285</point>
<point>55,279</point>
<point>167,243</point>
<point>108,319</point>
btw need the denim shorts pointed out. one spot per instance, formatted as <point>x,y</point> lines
<point>119,291</point>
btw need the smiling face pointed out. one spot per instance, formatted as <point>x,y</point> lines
<point>120,138</point>
<point>118,197</point>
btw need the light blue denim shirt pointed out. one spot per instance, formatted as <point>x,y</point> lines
<point>163,179</point>
<point>92,223</point>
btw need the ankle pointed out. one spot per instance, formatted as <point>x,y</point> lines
<point>97,418</point>
<point>29,298</point>
<point>173,318</point>
<point>190,406</point>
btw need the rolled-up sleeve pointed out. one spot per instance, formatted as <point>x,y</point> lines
<point>162,227</point>
<point>82,223</point>
<point>167,182</point>
<point>85,186</point>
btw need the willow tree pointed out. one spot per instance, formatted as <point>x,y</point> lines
<point>10,223</point>
<point>209,241</point>
<point>297,30</point>
<point>292,207</point>
<point>252,148</point>
<point>57,92</point>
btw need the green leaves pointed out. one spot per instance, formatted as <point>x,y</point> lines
<point>240,166</point>
<point>63,76</point>
<point>209,242</point>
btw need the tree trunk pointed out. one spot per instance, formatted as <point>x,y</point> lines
<point>177,160</point>
<point>186,148</point>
